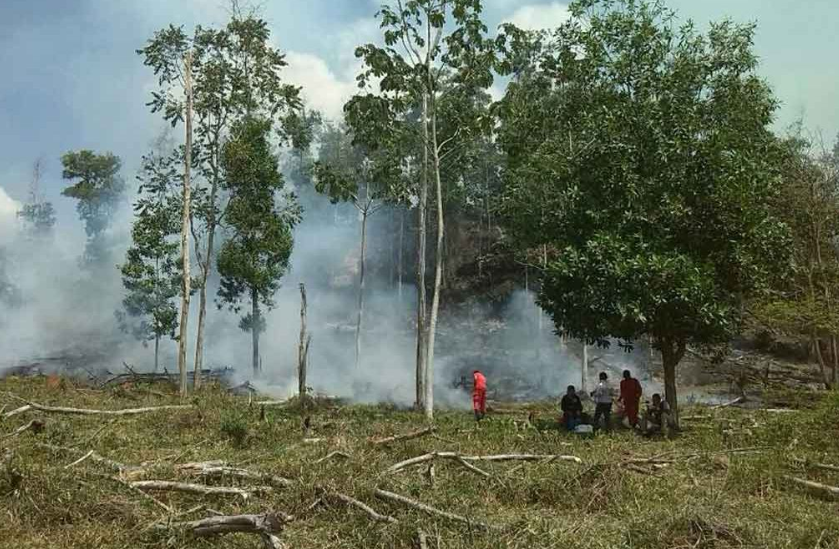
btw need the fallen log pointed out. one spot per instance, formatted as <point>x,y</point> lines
<point>265,525</point>
<point>17,411</point>
<point>390,496</point>
<point>402,438</point>
<point>197,488</point>
<point>222,469</point>
<point>89,412</point>
<point>36,426</point>
<point>830,492</point>
<point>364,507</point>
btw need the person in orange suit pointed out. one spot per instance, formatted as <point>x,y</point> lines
<point>630,397</point>
<point>479,395</point>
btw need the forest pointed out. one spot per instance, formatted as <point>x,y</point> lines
<point>284,298</point>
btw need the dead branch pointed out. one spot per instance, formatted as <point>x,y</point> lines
<point>422,540</point>
<point>17,411</point>
<point>88,412</point>
<point>271,403</point>
<point>35,426</point>
<point>197,488</point>
<point>222,469</point>
<point>830,492</point>
<point>737,400</point>
<point>265,525</point>
<point>81,459</point>
<point>501,457</point>
<point>331,455</point>
<point>472,468</point>
<point>390,496</point>
<point>406,436</point>
<point>117,466</point>
<point>364,507</point>
<point>825,467</point>
<point>408,462</point>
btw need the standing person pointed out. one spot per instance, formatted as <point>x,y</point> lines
<point>572,409</point>
<point>479,395</point>
<point>602,402</point>
<point>630,397</point>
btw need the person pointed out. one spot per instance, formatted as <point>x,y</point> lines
<point>572,409</point>
<point>630,397</point>
<point>657,415</point>
<point>479,395</point>
<point>602,402</point>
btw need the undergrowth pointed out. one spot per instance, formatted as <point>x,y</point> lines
<point>708,497</point>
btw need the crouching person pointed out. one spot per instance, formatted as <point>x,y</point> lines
<point>572,409</point>
<point>657,417</point>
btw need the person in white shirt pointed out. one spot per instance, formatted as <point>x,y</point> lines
<point>602,396</point>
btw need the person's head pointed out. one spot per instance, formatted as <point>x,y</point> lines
<point>571,390</point>
<point>603,376</point>
<point>627,374</point>
<point>474,372</point>
<point>656,399</point>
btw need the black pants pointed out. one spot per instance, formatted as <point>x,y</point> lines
<point>605,410</point>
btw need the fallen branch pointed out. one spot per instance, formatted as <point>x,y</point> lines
<point>831,492</point>
<point>825,467</point>
<point>17,411</point>
<point>331,455</point>
<point>472,468</point>
<point>88,412</point>
<point>265,525</point>
<point>737,400</point>
<point>500,457</point>
<point>408,462</point>
<point>364,507</point>
<point>35,426</point>
<point>422,540</point>
<point>81,459</point>
<point>427,508</point>
<point>222,469</point>
<point>271,403</point>
<point>406,436</point>
<point>117,466</point>
<point>197,488</point>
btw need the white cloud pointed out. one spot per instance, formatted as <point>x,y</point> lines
<point>541,16</point>
<point>322,89</point>
<point>8,216</point>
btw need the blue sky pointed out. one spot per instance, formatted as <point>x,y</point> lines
<point>71,78</point>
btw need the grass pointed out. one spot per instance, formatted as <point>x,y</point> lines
<point>714,500</point>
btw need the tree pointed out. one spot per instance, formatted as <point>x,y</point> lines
<point>236,71</point>
<point>643,155</point>
<point>150,274</point>
<point>38,215</point>
<point>98,188</point>
<point>346,172</point>
<point>411,68</point>
<point>255,258</point>
<point>809,204</point>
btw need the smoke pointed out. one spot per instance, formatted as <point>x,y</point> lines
<point>68,311</point>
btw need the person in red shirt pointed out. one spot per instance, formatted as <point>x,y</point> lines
<point>630,396</point>
<point>479,395</point>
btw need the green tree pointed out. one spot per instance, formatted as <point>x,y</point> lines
<point>150,274</point>
<point>98,188</point>
<point>38,215</point>
<point>236,71</point>
<point>432,48</point>
<point>643,155</point>
<point>255,258</point>
<point>347,172</point>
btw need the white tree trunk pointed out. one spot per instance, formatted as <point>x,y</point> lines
<point>255,326</point>
<point>438,270</point>
<point>185,220</point>
<point>584,376</point>
<point>358,326</point>
<point>421,297</point>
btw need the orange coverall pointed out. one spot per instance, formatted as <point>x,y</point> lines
<point>479,393</point>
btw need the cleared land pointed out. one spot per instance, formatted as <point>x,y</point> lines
<point>78,480</point>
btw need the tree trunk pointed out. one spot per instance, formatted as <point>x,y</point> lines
<point>438,271</point>
<point>255,329</point>
<point>584,371</point>
<point>835,362</point>
<point>421,297</point>
<point>302,350</point>
<point>821,361</point>
<point>358,324</point>
<point>205,275</point>
<point>185,221</point>
<point>671,353</point>
<point>156,352</point>
<point>401,246</point>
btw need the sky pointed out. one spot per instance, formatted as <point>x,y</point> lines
<point>71,79</point>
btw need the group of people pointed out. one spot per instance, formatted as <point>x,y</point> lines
<point>656,416</point>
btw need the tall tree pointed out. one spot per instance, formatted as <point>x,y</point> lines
<point>648,152</point>
<point>151,274</point>
<point>98,188</point>
<point>346,172</point>
<point>236,71</point>
<point>255,258</point>
<point>38,215</point>
<point>418,55</point>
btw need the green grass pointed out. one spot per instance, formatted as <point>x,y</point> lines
<point>713,500</point>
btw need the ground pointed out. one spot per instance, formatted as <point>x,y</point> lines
<point>721,482</point>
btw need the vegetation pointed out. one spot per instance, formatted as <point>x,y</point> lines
<point>709,496</point>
